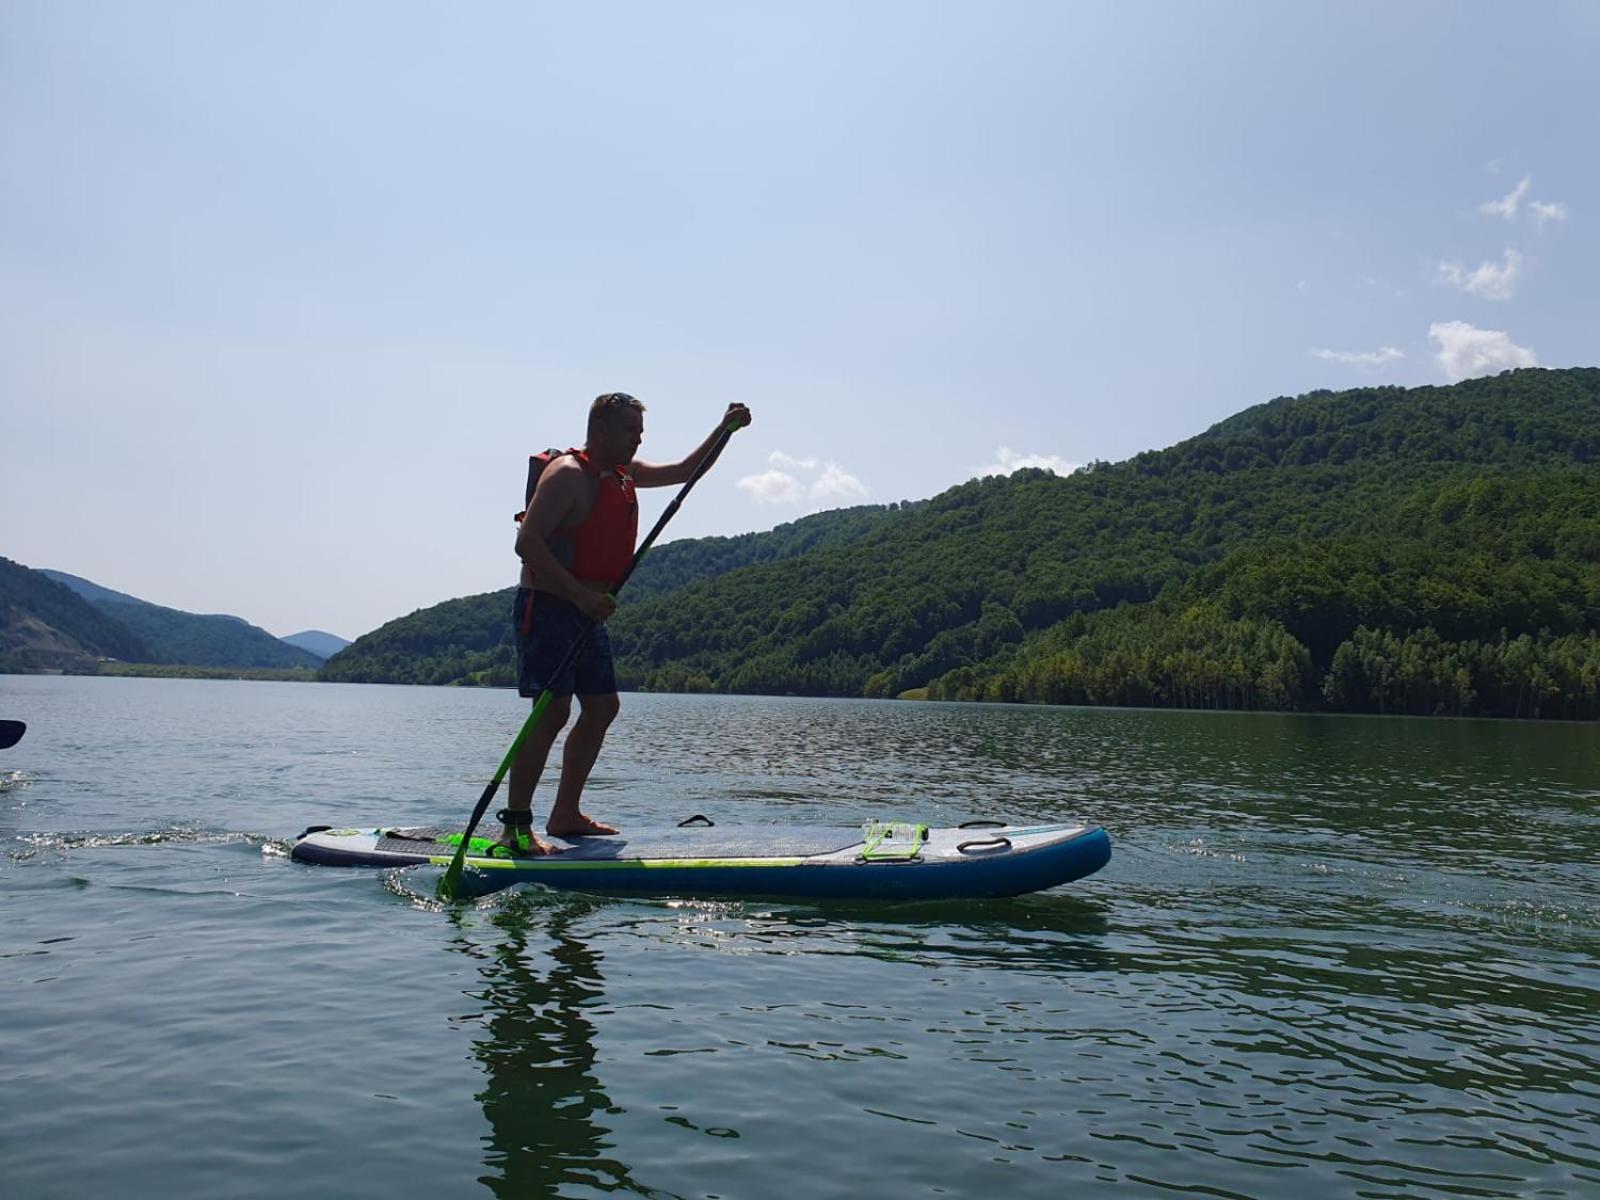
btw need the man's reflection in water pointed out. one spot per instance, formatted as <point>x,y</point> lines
<point>542,1097</point>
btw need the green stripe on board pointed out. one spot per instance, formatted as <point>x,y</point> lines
<point>554,863</point>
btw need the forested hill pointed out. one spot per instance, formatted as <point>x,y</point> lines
<point>693,560</point>
<point>468,640</point>
<point>1425,549</point>
<point>44,625</point>
<point>195,639</point>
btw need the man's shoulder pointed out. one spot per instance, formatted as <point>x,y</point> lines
<point>562,468</point>
<point>561,483</point>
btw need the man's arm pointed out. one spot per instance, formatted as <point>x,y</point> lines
<point>665,475</point>
<point>561,488</point>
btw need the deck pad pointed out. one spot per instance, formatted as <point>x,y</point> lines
<point>693,841</point>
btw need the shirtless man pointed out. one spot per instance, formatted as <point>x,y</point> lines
<point>576,542</point>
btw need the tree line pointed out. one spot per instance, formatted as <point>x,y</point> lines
<point>1231,570</point>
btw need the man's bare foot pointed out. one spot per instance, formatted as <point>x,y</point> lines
<point>528,846</point>
<point>582,827</point>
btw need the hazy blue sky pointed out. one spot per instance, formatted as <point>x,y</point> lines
<point>289,291</point>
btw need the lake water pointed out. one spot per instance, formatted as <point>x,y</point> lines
<point>1330,957</point>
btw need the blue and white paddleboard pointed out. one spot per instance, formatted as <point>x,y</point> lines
<point>877,860</point>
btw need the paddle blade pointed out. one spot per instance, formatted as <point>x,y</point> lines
<point>450,885</point>
<point>11,733</point>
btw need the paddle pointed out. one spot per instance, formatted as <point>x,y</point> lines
<point>11,733</point>
<point>450,884</point>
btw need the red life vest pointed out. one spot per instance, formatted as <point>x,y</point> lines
<point>599,549</point>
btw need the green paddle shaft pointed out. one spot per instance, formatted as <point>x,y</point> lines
<point>450,885</point>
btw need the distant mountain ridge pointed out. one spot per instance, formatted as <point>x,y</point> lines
<point>190,639</point>
<point>317,641</point>
<point>90,591</point>
<point>47,626</point>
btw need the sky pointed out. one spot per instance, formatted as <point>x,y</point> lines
<point>288,291</point>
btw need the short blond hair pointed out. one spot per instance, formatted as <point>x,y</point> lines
<point>608,406</point>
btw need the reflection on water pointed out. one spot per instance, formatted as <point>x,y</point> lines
<point>543,1101</point>
<point>553,1122</point>
<point>1053,934</point>
<point>1122,1043</point>
<point>1116,1041</point>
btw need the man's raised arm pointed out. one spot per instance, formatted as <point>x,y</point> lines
<point>667,474</point>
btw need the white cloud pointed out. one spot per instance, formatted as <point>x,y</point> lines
<point>1009,460</point>
<point>1492,166</point>
<point>1360,358</point>
<point>773,487</point>
<point>788,483</point>
<point>837,484</point>
<point>1506,206</point>
<point>1466,351</point>
<point>1488,281</point>
<point>1542,212</point>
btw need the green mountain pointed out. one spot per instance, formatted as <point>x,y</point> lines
<point>1427,549</point>
<point>193,639</point>
<point>469,640</point>
<point>694,560</point>
<point>46,626</point>
<point>459,641</point>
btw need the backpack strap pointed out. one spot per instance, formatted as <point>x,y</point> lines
<point>536,465</point>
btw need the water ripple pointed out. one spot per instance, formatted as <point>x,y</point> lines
<point>1338,957</point>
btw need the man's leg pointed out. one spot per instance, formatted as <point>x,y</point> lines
<point>529,763</point>
<point>595,714</point>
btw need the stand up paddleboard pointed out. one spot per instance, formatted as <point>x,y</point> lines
<point>878,860</point>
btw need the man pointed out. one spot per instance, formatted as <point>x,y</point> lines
<point>576,541</point>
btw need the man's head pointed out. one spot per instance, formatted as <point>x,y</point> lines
<point>616,427</point>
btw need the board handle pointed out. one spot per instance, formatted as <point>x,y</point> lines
<point>984,845</point>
